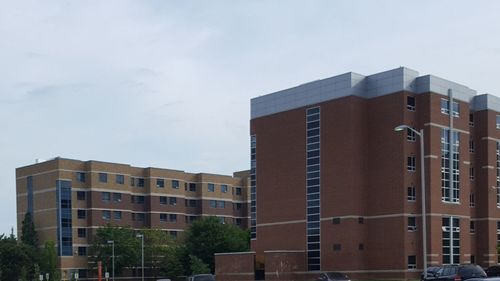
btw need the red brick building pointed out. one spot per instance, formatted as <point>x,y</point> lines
<point>331,178</point>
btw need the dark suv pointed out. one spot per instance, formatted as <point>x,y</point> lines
<point>459,272</point>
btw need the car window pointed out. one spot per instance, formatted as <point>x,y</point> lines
<point>447,271</point>
<point>440,272</point>
<point>204,278</point>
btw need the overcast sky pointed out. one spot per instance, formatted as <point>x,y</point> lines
<point>168,83</point>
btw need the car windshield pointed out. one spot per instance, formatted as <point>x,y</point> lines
<point>336,275</point>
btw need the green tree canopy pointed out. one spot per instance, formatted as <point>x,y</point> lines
<point>14,258</point>
<point>29,236</point>
<point>127,247</point>
<point>208,236</point>
<point>48,260</point>
<point>156,244</point>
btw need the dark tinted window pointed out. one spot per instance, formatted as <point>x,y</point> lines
<point>204,278</point>
<point>336,275</point>
<point>471,271</point>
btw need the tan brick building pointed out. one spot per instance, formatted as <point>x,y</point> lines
<point>70,199</point>
<point>332,179</point>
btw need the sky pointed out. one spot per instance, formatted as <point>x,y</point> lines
<point>155,83</point>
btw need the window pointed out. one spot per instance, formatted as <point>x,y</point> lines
<point>472,200</point>
<point>222,204</point>
<point>237,206</point>
<point>337,247</point>
<point>445,107</point>
<point>410,135</point>
<point>106,214</point>
<point>163,217</point>
<point>160,183</point>
<point>313,183</point>
<point>82,251</point>
<point>498,122</point>
<point>451,240</point>
<point>139,199</point>
<point>138,216</point>
<point>82,232</point>
<point>80,195</point>
<point>336,220</point>
<point>117,197</point>
<point>361,220</point>
<point>175,184</point>
<point>106,196</point>
<point>450,187</point>
<point>103,177</point>
<point>192,187</point>
<point>172,217</point>
<point>117,215</point>
<point>191,203</point>
<point>253,187</point>
<point>213,204</point>
<point>132,181</point>
<point>140,182</point>
<point>361,246</point>
<point>410,103</point>
<point>411,163</point>
<point>411,195</point>
<point>471,173</point>
<point>120,179</point>
<point>471,145</point>
<point>163,200</point>
<point>472,227</point>
<point>211,187</point>
<point>471,120</point>
<point>412,262</point>
<point>498,175</point>
<point>238,222</point>
<point>223,188</point>
<point>173,234</point>
<point>238,190</point>
<point>80,177</point>
<point>81,214</point>
<point>172,201</point>
<point>412,224</point>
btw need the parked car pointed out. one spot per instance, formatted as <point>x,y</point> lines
<point>201,277</point>
<point>163,280</point>
<point>460,272</point>
<point>332,276</point>
<point>493,271</point>
<point>431,273</point>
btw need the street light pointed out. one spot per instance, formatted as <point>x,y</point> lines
<point>422,182</point>
<point>142,252</point>
<point>113,256</point>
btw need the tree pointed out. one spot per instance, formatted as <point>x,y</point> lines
<point>197,266</point>
<point>127,247</point>
<point>48,260</point>
<point>208,236</point>
<point>171,265</point>
<point>156,243</point>
<point>14,259</point>
<point>29,235</point>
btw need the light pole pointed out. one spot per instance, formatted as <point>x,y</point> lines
<point>422,184</point>
<point>142,252</point>
<point>113,256</point>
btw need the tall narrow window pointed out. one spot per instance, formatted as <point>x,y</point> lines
<point>411,194</point>
<point>471,119</point>
<point>472,227</point>
<point>472,200</point>
<point>450,191</point>
<point>471,145</point>
<point>313,182</point>
<point>411,163</point>
<point>498,122</point>
<point>64,218</point>
<point>451,240</point>
<point>253,187</point>
<point>412,224</point>
<point>410,103</point>
<point>410,135</point>
<point>498,175</point>
<point>471,173</point>
<point>412,262</point>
